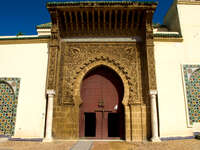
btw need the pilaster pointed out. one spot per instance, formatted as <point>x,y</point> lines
<point>49,118</point>
<point>151,76</point>
<point>53,52</point>
<point>150,51</point>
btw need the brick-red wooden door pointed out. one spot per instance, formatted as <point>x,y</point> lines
<point>101,93</point>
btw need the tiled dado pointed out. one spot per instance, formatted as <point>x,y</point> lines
<point>192,86</point>
<point>9,90</point>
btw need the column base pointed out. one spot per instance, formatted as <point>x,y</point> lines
<point>155,139</point>
<point>47,140</point>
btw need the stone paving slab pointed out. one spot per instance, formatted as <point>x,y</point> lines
<point>164,145</point>
<point>191,144</point>
<point>82,145</point>
<point>26,145</point>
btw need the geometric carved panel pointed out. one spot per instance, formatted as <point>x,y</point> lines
<point>192,86</point>
<point>75,57</point>
<point>9,90</point>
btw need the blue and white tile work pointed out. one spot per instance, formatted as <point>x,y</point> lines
<point>9,91</point>
<point>192,86</point>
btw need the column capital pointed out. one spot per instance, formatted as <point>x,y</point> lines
<point>153,92</point>
<point>50,92</point>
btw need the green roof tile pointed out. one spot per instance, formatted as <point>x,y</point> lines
<point>169,35</point>
<point>46,25</point>
<point>25,38</point>
<point>110,2</point>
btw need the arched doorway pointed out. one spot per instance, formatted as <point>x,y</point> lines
<point>102,112</point>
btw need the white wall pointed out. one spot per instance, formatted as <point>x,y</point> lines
<point>190,26</point>
<point>169,57</point>
<point>28,62</point>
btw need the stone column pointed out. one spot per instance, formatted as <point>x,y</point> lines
<point>49,119</point>
<point>154,118</point>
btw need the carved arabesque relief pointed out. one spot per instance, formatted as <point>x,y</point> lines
<point>77,57</point>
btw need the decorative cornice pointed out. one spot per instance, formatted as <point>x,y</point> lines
<point>100,3</point>
<point>24,37</point>
<point>164,39</point>
<point>103,39</point>
<point>188,2</point>
<point>24,40</point>
<point>49,25</point>
<point>169,37</point>
<point>45,39</point>
<point>44,26</point>
<point>100,18</point>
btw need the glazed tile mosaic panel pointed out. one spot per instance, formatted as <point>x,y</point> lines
<point>9,90</point>
<point>192,86</point>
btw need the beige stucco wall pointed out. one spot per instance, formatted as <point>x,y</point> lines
<point>169,57</point>
<point>28,62</point>
<point>190,26</point>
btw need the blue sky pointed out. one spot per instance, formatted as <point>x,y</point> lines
<point>23,15</point>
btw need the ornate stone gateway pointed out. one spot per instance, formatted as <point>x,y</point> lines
<point>86,38</point>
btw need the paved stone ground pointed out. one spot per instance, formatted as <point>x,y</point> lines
<point>164,145</point>
<point>100,145</point>
<point>82,145</point>
<point>25,145</point>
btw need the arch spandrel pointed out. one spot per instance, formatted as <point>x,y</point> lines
<point>82,74</point>
<point>79,58</point>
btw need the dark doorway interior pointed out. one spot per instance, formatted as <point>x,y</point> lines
<point>113,125</point>
<point>90,124</point>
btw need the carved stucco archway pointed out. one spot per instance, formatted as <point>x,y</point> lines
<point>77,84</point>
<point>122,74</point>
<point>69,61</point>
<point>74,61</point>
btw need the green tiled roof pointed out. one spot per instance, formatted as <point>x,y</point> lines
<point>46,25</point>
<point>157,25</point>
<point>25,38</point>
<point>110,2</point>
<point>169,35</point>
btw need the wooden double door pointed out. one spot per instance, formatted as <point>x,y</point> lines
<point>101,113</point>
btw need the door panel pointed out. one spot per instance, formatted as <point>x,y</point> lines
<point>99,124</point>
<point>104,125</point>
<point>101,94</point>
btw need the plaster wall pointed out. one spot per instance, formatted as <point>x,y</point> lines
<point>28,62</point>
<point>190,26</point>
<point>169,56</point>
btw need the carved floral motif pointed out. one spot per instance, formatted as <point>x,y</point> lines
<point>77,57</point>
